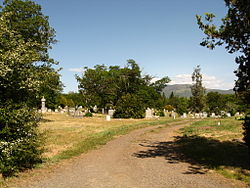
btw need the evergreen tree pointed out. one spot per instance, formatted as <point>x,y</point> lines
<point>198,91</point>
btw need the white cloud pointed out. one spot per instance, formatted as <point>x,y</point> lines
<point>76,70</point>
<point>211,82</point>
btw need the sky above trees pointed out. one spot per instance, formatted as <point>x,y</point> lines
<point>161,36</point>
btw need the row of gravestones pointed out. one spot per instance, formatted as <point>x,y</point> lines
<point>79,112</point>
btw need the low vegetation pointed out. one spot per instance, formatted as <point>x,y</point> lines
<point>216,144</point>
<point>68,136</point>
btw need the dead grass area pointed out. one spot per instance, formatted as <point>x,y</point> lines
<point>63,132</point>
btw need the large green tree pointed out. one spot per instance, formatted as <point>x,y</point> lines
<point>116,87</point>
<point>25,71</point>
<point>234,34</point>
<point>197,99</point>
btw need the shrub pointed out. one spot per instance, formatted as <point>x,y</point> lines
<point>129,106</point>
<point>20,141</point>
<point>160,113</point>
<point>88,114</point>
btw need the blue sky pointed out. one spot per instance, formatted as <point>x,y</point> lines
<point>162,36</point>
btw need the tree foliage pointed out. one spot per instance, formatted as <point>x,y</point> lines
<point>113,87</point>
<point>234,34</point>
<point>198,91</point>
<point>26,73</point>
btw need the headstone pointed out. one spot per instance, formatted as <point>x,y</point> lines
<point>197,115</point>
<point>49,110</point>
<point>43,109</point>
<point>228,115</point>
<point>95,109</point>
<point>213,115</point>
<point>56,110</point>
<point>149,113</point>
<point>108,118</point>
<point>204,115</point>
<point>184,115</point>
<point>103,111</point>
<point>111,112</point>
<point>237,114</point>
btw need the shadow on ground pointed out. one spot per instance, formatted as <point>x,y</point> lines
<point>200,152</point>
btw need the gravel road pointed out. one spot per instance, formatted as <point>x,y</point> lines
<point>134,160</point>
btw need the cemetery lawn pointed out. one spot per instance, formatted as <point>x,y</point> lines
<point>217,147</point>
<point>66,136</point>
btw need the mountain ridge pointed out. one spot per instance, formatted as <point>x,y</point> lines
<point>184,90</point>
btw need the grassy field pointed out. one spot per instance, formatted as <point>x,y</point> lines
<point>67,136</point>
<point>217,147</point>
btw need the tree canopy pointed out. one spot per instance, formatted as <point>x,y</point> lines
<point>234,34</point>
<point>198,91</point>
<point>115,86</point>
<point>26,73</point>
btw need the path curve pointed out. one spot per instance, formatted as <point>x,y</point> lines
<point>119,164</point>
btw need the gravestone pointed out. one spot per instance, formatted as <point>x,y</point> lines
<point>213,115</point>
<point>197,115</point>
<point>43,109</point>
<point>228,114</point>
<point>108,118</point>
<point>237,114</point>
<point>149,113</point>
<point>204,115</point>
<point>184,115</point>
<point>103,111</point>
<point>95,109</point>
<point>111,112</point>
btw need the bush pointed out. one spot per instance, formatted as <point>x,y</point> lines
<point>160,113</point>
<point>129,106</point>
<point>88,114</point>
<point>20,142</point>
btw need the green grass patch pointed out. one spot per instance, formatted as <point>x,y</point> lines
<point>101,138</point>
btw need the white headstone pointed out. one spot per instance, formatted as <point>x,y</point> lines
<point>237,114</point>
<point>204,115</point>
<point>149,113</point>
<point>213,115</point>
<point>43,109</point>
<point>108,118</point>
<point>95,109</point>
<point>111,112</point>
<point>197,115</point>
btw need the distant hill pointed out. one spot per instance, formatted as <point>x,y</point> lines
<point>183,90</point>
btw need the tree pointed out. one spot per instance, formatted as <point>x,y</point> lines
<point>25,70</point>
<point>159,85</point>
<point>115,86</point>
<point>198,91</point>
<point>234,34</point>
<point>215,102</point>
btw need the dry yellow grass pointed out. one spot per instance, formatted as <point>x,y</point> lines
<point>63,132</point>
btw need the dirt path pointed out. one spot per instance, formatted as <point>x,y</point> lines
<point>130,161</point>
